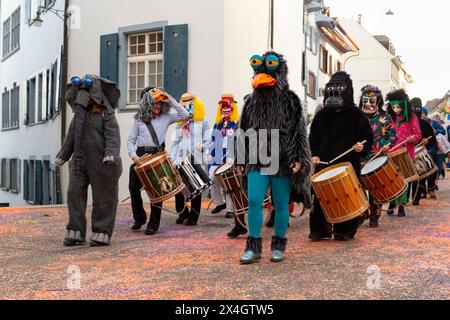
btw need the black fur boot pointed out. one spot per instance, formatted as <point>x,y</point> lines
<point>253,251</point>
<point>278,248</point>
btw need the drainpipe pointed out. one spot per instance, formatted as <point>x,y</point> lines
<point>64,71</point>
<point>271,24</point>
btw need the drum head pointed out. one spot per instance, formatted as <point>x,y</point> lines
<point>374,165</point>
<point>330,174</point>
<point>223,168</point>
<point>153,159</point>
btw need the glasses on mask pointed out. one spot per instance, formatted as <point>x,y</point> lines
<point>335,89</point>
<point>85,83</point>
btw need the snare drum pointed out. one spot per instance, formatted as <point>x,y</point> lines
<point>424,163</point>
<point>230,179</point>
<point>405,165</point>
<point>383,180</point>
<point>194,178</point>
<point>159,177</point>
<point>339,193</point>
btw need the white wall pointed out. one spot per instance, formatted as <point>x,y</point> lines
<point>373,63</point>
<point>39,48</point>
<point>205,49</point>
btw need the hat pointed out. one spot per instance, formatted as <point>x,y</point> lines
<point>228,96</point>
<point>186,99</point>
<point>425,110</point>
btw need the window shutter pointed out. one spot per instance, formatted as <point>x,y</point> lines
<point>19,174</point>
<point>175,59</point>
<point>25,180</point>
<point>38,182</point>
<point>8,174</point>
<point>109,57</point>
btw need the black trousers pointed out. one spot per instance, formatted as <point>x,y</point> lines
<point>196,204</point>
<point>137,205</point>
<point>319,225</point>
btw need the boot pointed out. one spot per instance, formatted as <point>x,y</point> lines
<point>219,209</point>
<point>433,195</point>
<point>401,211</point>
<point>278,248</point>
<point>374,217</point>
<point>238,228</point>
<point>253,251</point>
<point>183,216</point>
<point>271,221</point>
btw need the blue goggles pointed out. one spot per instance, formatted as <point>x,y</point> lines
<point>85,83</point>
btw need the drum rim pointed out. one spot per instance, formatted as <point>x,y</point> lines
<point>386,163</point>
<point>223,165</point>
<point>164,156</point>
<point>339,175</point>
<point>429,173</point>
<point>398,152</point>
<point>349,217</point>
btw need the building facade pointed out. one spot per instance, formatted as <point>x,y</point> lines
<point>376,61</point>
<point>29,83</point>
<point>201,46</point>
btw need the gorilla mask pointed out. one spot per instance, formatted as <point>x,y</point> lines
<point>339,92</point>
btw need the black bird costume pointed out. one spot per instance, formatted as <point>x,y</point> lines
<point>272,109</point>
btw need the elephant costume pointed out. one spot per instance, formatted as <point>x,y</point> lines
<point>93,143</point>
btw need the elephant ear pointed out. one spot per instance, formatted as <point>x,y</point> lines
<point>111,91</point>
<point>71,95</point>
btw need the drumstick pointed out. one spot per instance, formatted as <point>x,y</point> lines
<point>396,147</point>
<point>345,153</point>
<point>380,152</point>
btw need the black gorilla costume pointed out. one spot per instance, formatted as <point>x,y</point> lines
<point>93,142</point>
<point>335,129</point>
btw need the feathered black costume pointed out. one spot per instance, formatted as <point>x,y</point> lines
<point>275,130</point>
<point>334,130</point>
<point>280,108</point>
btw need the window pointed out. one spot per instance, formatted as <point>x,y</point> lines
<point>6,37</point>
<point>40,95</point>
<point>54,88</point>
<point>145,63</point>
<point>312,85</point>
<point>323,60</point>
<point>31,182</point>
<point>11,33</point>
<point>5,109</point>
<point>15,30</point>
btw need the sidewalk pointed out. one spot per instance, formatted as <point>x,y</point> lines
<point>411,256</point>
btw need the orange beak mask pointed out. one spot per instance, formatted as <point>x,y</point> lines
<point>263,80</point>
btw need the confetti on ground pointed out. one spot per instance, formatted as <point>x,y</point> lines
<point>406,258</point>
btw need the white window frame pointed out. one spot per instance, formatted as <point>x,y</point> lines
<point>146,59</point>
<point>43,116</point>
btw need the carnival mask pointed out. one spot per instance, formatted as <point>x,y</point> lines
<point>397,108</point>
<point>190,108</point>
<point>370,105</point>
<point>335,91</point>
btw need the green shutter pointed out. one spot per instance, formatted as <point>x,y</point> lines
<point>175,59</point>
<point>25,180</point>
<point>8,174</point>
<point>19,174</point>
<point>109,57</point>
<point>38,183</point>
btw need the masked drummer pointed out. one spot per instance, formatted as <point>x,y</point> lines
<point>384,137</point>
<point>147,136</point>
<point>223,131</point>
<point>338,127</point>
<point>408,132</point>
<point>427,185</point>
<point>190,142</point>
